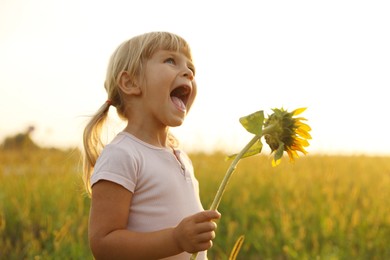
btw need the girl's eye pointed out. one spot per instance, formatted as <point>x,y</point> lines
<point>170,61</point>
<point>192,69</point>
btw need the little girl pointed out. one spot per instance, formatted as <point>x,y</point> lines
<point>145,197</point>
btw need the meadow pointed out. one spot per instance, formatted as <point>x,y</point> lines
<point>320,207</point>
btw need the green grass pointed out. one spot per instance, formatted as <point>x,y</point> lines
<point>43,210</point>
<point>321,207</point>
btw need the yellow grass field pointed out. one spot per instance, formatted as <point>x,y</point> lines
<point>321,207</point>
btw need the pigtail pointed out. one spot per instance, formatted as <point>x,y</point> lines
<point>93,144</point>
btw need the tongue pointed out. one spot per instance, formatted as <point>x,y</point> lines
<point>178,103</point>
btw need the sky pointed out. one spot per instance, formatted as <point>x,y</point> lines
<point>332,57</point>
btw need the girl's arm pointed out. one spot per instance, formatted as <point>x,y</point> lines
<point>109,238</point>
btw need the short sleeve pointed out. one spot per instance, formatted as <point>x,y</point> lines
<point>116,165</point>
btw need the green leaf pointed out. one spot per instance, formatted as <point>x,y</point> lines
<point>255,149</point>
<point>253,123</point>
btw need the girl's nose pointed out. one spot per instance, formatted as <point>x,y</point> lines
<point>188,73</point>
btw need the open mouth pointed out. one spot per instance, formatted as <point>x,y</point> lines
<point>180,96</point>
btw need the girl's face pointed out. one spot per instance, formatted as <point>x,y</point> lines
<point>168,87</point>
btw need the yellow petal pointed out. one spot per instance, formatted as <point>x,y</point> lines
<point>276,163</point>
<point>302,125</point>
<point>300,119</point>
<point>298,111</point>
<point>298,147</point>
<point>303,133</point>
<point>302,142</point>
<point>292,155</point>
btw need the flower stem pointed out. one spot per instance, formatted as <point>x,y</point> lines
<point>232,167</point>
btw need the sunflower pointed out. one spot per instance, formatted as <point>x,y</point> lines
<point>281,131</point>
<point>288,134</point>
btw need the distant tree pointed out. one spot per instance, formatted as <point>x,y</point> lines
<point>20,141</point>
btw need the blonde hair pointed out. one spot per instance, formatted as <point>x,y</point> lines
<point>130,56</point>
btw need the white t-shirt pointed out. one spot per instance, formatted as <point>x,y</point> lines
<point>163,184</point>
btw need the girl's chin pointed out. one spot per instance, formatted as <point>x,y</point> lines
<point>178,121</point>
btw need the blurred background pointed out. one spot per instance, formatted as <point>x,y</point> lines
<point>331,57</point>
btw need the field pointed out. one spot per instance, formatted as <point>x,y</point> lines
<point>321,207</point>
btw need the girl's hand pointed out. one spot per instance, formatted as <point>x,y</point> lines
<point>194,233</point>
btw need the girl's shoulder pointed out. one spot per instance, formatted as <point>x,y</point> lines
<point>123,148</point>
<point>127,144</point>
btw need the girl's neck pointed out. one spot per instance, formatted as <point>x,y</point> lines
<point>156,138</point>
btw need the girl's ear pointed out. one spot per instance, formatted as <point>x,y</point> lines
<point>128,85</point>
